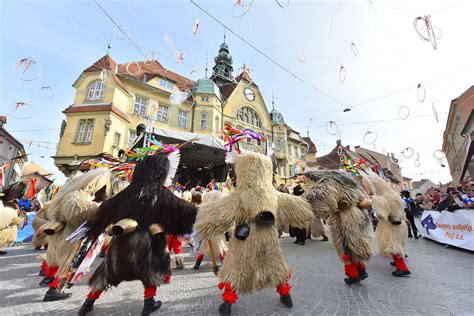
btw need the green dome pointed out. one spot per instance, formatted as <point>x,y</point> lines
<point>277,117</point>
<point>206,86</point>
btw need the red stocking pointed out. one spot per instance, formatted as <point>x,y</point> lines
<point>55,283</point>
<point>350,267</point>
<point>150,291</point>
<point>52,270</point>
<point>200,257</point>
<point>399,262</point>
<point>360,265</point>
<point>44,267</point>
<point>93,295</point>
<point>229,295</point>
<point>167,279</point>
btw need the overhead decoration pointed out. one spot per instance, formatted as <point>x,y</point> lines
<point>193,71</point>
<point>241,8</point>
<point>435,113</point>
<point>370,137</point>
<point>408,152</point>
<point>121,32</point>
<point>27,69</point>
<point>403,112</point>
<point>416,162</point>
<point>133,68</point>
<point>339,150</point>
<point>179,56</point>
<point>300,55</point>
<point>342,73</point>
<point>426,30</point>
<point>354,49</point>
<point>103,76</point>
<point>306,148</point>
<point>19,105</point>
<point>438,154</point>
<point>283,3</point>
<point>331,128</point>
<point>196,27</point>
<point>395,158</point>
<point>46,92</point>
<point>178,97</point>
<point>150,57</point>
<point>232,137</point>
<point>420,92</point>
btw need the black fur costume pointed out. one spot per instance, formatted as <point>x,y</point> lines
<point>139,255</point>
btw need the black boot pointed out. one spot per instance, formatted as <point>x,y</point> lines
<point>150,306</point>
<point>400,273</point>
<point>55,295</point>
<point>286,300</point>
<point>197,264</point>
<point>2,252</point>
<point>215,270</point>
<point>224,308</point>
<point>351,280</point>
<point>325,238</point>
<point>45,282</point>
<point>86,307</point>
<point>363,274</point>
<point>41,273</point>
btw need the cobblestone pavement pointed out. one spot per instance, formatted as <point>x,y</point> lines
<point>441,284</point>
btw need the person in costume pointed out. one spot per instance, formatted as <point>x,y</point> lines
<point>9,214</point>
<point>74,204</point>
<point>253,210</point>
<point>392,228</point>
<point>139,252</point>
<point>337,195</point>
<point>218,244</point>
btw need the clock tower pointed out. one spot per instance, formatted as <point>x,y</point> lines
<point>222,70</point>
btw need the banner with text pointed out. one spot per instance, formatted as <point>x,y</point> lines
<point>453,228</point>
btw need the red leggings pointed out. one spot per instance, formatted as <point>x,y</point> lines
<point>150,291</point>
<point>174,244</point>
<point>399,262</point>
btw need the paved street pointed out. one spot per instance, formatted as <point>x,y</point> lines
<point>441,284</point>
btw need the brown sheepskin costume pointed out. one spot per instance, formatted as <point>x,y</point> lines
<point>392,229</point>
<point>8,225</point>
<point>254,260</point>
<point>337,195</point>
<point>72,206</point>
<point>41,218</point>
<point>141,253</point>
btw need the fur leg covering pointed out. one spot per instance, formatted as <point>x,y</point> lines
<point>350,267</point>
<point>150,291</point>
<point>229,296</point>
<point>93,295</point>
<point>284,289</point>
<point>400,262</point>
<point>56,282</point>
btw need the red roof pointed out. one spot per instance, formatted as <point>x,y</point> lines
<point>312,146</point>
<point>106,62</point>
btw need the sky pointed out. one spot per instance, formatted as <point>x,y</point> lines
<point>311,40</point>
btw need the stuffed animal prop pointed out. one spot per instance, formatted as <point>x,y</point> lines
<point>254,260</point>
<point>337,195</point>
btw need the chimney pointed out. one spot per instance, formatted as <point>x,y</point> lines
<point>348,147</point>
<point>357,147</point>
<point>338,142</point>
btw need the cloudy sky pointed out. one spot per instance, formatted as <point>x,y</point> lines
<point>309,39</point>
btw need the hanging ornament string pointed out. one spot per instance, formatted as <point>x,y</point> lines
<point>27,69</point>
<point>421,92</point>
<point>435,113</point>
<point>370,137</point>
<point>342,73</point>
<point>150,57</point>
<point>179,56</point>
<point>193,71</point>
<point>438,154</point>
<point>331,128</point>
<point>354,49</point>
<point>403,112</point>
<point>46,92</point>
<point>131,66</point>
<point>240,8</point>
<point>408,152</point>
<point>339,150</point>
<point>103,76</point>
<point>283,3</point>
<point>426,23</point>
<point>19,105</point>
<point>306,149</point>
<point>395,158</point>
<point>416,162</point>
<point>300,55</point>
<point>196,27</point>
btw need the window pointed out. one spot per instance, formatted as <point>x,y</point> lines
<point>278,144</point>
<point>249,116</point>
<point>203,120</point>
<point>140,106</point>
<point>166,84</point>
<point>295,150</point>
<point>182,118</point>
<point>205,99</point>
<point>162,113</point>
<point>85,131</point>
<point>95,91</point>
<point>290,153</point>
<point>116,140</point>
<point>131,137</point>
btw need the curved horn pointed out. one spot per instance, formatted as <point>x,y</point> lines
<point>395,220</point>
<point>108,230</point>
<point>155,229</point>
<point>124,226</point>
<point>365,204</point>
<point>53,227</point>
<point>343,204</point>
<point>40,232</point>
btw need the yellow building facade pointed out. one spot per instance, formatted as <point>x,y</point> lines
<point>112,99</point>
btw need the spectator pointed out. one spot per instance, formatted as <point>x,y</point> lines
<point>410,212</point>
<point>447,203</point>
<point>436,197</point>
<point>24,203</point>
<point>420,206</point>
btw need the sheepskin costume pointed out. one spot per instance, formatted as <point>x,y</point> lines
<point>337,195</point>
<point>218,244</point>
<point>254,260</point>
<point>139,253</point>
<point>8,225</point>
<point>41,218</point>
<point>392,229</point>
<point>73,205</point>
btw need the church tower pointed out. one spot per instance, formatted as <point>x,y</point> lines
<point>222,70</point>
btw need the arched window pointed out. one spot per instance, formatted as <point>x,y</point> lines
<point>249,116</point>
<point>96,89</point>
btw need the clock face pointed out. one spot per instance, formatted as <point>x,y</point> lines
<point>249,94</point>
